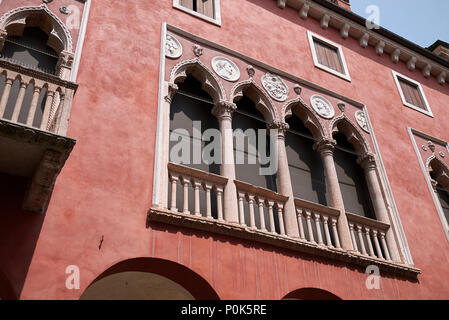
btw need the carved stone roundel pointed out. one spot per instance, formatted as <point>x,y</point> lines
<point>323,107</point>
<point>173,48</point>
<point>275,87</point>
<point>225,68</point>
<point>360,117</point>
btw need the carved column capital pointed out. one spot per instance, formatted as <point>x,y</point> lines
<point>434,184</point>
<point>325,145</point>
<point>281,127</point>
<point>367,161</point>
<point>65,60</point>
<point>3,35</point>
<point>171,91</point>
<point>224,110</point>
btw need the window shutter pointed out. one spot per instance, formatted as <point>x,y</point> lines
<point>187,3</point>
<point>411,93</point>
<point>328,56</point>
<point>205,7</point>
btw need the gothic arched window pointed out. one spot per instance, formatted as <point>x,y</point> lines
<point>351,177</point>
<point>306,169</point>
<point>30,50</point>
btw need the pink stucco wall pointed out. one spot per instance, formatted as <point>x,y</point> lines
<point>105,187</point>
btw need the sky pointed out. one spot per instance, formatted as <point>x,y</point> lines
<point>420,21</point>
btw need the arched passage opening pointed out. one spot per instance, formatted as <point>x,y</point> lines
<point>149,279</point>
<point>311,294</point>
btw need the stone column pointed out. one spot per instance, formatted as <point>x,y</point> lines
<point>223,110</point>
<point>368,163</point>
<point>284,182</point>
<point>325,147</point>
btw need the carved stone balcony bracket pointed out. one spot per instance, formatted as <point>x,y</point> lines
<point>163,216</point>
<point>39,155</point>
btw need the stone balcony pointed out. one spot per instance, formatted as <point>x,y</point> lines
<point>196,202</point>
<point>34,115</point>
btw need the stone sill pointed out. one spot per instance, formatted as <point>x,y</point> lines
<point>165,216</point>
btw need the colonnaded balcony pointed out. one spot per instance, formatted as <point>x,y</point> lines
<point>34,109</point>
<point>325,193</point>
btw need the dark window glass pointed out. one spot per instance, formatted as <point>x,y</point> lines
<point>352,181</point>
<point>30,50</point>
<point>306,169</point>
<point>444,201</point>
<point>248,117</point>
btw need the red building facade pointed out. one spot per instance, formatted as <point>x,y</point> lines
<point>92,196</point>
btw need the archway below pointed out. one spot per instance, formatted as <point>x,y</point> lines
<point>311,294</point>
<point>149,279</point>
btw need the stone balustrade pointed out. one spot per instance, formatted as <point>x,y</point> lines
<point>203,186</point>
<point>317,224</point>
<point>260,208</point>
<point>369,236</point>
<point>34,98</point>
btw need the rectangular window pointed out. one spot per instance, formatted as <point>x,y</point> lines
<point>328,56</point>
<point>412,94</point>
<point>206,9</point>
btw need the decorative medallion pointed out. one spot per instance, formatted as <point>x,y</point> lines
<point>47,1</point>
<point>341,106</point>
<point>225,68</point>
<point>64,10</point>
<point>431,146</point>
<point>173,48</point>
<point>275,87</point>
<point>424,147</point>
<point>442,154</point>
<point>297,89</point>
<point>360,117</point>
<point>323,107</point>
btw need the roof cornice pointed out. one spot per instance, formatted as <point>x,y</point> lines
<point>383,40</point>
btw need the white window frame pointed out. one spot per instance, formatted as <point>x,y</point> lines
<point>216,20</point>
<point>396,77</point>
<point>313,36</point>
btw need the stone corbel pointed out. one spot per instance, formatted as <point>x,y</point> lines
<point>411,64</point>
<point>325,21</point>
<point>281,4</point>
<point>380,48</point>
<point>304,11</point>
<point>426,71</point>
<point>344,31</point>
<point>395,55</point>
<point>43,182</point>
<point>364,40</point>
<point>442,77</point>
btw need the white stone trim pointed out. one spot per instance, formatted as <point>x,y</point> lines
<point>216,20</point>
<point>80,43</point>
<point>412,133</point>
<point>158,149</point>
<point>313,36</point>
<point>396,77</point>
<point>392,209</point>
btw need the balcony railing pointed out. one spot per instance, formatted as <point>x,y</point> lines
<point>34,115</point>
<point>34,98</point>
<point>368,236</point>
<point>195,200</point>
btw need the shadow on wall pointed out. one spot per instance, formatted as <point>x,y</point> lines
<point>149,279</point>
<point>19,232</point>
